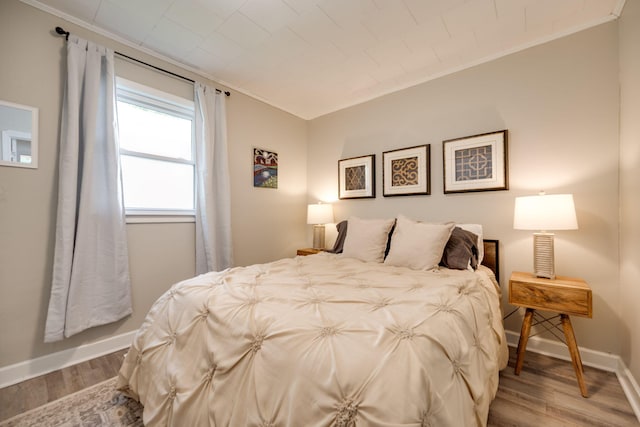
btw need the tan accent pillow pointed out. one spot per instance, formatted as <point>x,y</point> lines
<point>367,238</point>
<point>418,245</point>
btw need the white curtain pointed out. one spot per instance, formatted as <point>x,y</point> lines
<point>214,251</point>
<point>90,284</point>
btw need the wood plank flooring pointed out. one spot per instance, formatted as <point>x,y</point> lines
<point>35,392</point>
<point>544,394</point>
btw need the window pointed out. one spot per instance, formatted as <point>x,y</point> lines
<point>157,151</point>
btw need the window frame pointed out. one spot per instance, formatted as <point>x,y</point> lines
<point>147,97</point>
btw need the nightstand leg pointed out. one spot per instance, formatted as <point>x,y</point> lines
<point>524,337</point>
<point>575,353</point>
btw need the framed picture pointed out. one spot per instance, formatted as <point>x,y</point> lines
<point>265,168</point>
<point>407,171</point>
<point>476,163</point>
<point>356,177</point>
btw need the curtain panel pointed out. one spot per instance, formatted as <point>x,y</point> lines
<point>214,249</point>
<point>90,284</point>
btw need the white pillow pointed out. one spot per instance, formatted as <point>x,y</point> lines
<point>477,230</point>
<point>367,238</point>
<point>418,245</point>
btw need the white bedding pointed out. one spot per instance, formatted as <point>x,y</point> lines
<point>317,341</point>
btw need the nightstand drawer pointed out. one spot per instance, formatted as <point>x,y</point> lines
<point>563,295</point>
<point>308,251</point>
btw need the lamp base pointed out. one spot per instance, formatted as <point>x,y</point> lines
<point>318,236</point>
<point>543,265</point>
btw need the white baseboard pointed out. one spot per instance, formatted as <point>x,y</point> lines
<point>32,368</point>
<point>596,359</point>
<point>630,387</point>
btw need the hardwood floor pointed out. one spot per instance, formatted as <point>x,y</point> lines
<point>35,392</point>
<point>544,394</point>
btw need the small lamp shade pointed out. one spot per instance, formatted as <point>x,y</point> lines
<point>319,215</point>
<point>544,213</point>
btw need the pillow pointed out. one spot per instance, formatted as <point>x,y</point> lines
<point>342,234</point>
<point>477,230</point>
<point>418,245</point>
<point>367,239</point>
<point>461,250</point>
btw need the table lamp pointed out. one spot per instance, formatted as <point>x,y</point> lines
<point>319,214</point>
<point>544,213</point>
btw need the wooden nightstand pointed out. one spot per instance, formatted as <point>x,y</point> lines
<point>563,295</point>
<point>308,251</point>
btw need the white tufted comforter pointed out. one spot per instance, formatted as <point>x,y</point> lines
<point>320,340</point>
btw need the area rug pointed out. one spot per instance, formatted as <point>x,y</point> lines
<point>98,406</point>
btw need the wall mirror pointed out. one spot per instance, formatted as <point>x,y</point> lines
<point>19,135</point>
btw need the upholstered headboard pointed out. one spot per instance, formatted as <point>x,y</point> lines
<point>492,257</point>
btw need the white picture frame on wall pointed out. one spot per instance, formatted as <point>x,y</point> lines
<point>407,171</point>
<point>476,163</point>
<point>356,177</point>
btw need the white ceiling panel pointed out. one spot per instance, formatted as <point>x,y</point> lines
<point>389,52</point>
<point>222,8</point>
<point>472,15</point>
<point>301,6</point>
<point>353,39</point>
<point>345,13</point>
<point>221,47</point>
<point>315,27</point>
<point>243,31</point>
<point>426,36</point>
<point>85,10</point>
<point>544,12</point>
<point>195,16</point>
<point>180,42</point>
<point>271,15</point>
<point>391,19</point>
<point>121,21</point>
<point>312,57</point>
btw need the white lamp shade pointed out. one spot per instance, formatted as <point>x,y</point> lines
<point>545,212</point>
<point>321,213</point>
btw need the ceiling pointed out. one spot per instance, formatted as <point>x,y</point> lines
<point>313,57</point>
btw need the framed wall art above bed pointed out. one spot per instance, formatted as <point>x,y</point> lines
<point>407,171</point>
<point>476,163</point>
<point>356,177</point>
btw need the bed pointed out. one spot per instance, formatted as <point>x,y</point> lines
<point>322,340</point>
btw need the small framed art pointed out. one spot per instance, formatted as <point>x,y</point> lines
<point>265,168</point>
<point>476,163</point>
<point>356,177</point>
<point>407,172</point>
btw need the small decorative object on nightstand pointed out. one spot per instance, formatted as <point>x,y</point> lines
<point>308,251</point>
<point>563,295</point>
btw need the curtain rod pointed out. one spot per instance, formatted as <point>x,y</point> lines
<point>62,32</point>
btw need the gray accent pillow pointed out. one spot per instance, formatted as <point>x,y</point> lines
<point>461,250</point>
<point>342,234</point>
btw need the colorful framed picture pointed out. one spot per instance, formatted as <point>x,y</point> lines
<point>407,172</point>
<point>476,163</point>
<point>356,177</point>
<point>265,168</point>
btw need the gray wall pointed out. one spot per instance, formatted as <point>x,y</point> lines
<point>267,224</point>
<point>630,185</point>
<point>560,103</point>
